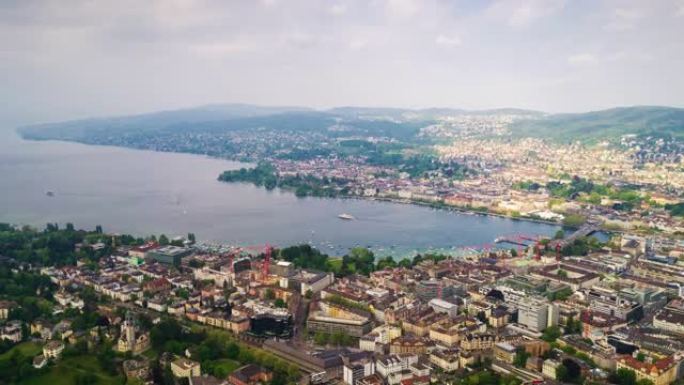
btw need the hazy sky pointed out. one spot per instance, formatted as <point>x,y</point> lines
<point>68,58</point>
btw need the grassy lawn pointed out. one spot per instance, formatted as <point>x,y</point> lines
<point>225,366</point>
<point>150,353</point>
<point>66,371</point>
<point>27,349</point>
<point>334,263</point>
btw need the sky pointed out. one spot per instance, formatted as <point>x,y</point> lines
<point>66,59</point>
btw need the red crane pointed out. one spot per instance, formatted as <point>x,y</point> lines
<point>231,257</point>
<point>266,250</point>
<point>267,261</point>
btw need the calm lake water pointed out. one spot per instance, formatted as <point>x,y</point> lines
<point>143,192</point>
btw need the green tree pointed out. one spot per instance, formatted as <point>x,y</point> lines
<point>574,220</point>
<point>232,350</point>
<point>320,338</point>
<point>550,334</point>
<point>562,373</point>
<point>521,357</point>
<point>623,376</point>
<point>269,294</point>
<point>163,240</point>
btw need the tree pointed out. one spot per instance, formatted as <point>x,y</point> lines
<point>183,293</point>
<point>269,294</point>
<point>107,359</point>
<point>574,220</point>
<point>562,373</point>
<point>521,356</point>
<point>320,338</point>
<point>573,326</point>
<point>550,334</point>
<point>406,263</point>
<point>232,350</point>
<point>385,263</point>
<point>163,240</point>
<point>560,234</point>
<point>623,376</point>
<point>280,303</point>
<point>195,263</point>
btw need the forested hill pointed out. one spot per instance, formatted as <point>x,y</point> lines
<point>604,124</point>
<point>394,123</point>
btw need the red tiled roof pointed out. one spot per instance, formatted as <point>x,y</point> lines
<point>659,365</point>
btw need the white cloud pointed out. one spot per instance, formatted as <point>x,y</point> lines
<point>448,41</point>
<point>401,9</point>
<point>358,44</point>
<point>521,13</point>
<point>623,19</point>
<point>582,59</point>
<point>222,48</point>
<point>301,40</point>
<point>338,9</point>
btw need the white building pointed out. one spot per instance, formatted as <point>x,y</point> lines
<point>11,332</point>
<point>442,306</point>
<point>354,372</point>
<point>549,368</point>
<point>53,349</point>
<point>537,314</point>
<point>389,366</point>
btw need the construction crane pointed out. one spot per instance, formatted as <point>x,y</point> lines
<point>267,261</point>
<point>266,250</point>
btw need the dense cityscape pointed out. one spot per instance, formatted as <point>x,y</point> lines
<point>109,308</point>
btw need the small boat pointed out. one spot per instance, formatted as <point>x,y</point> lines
<point>50,193</point>
<point>345,216</point>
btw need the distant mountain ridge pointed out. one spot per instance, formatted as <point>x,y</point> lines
<point>587,126</point>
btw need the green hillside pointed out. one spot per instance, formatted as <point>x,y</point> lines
<point>604,124</point>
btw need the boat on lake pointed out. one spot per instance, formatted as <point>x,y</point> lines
<point>346,217</point>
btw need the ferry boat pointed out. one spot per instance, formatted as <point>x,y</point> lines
<point>346,217</point>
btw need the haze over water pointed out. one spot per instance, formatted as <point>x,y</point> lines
<point>143,193</point>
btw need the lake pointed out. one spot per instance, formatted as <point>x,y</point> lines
<point>144,193</point>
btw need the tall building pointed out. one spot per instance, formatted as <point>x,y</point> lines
<point>537,313</point>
